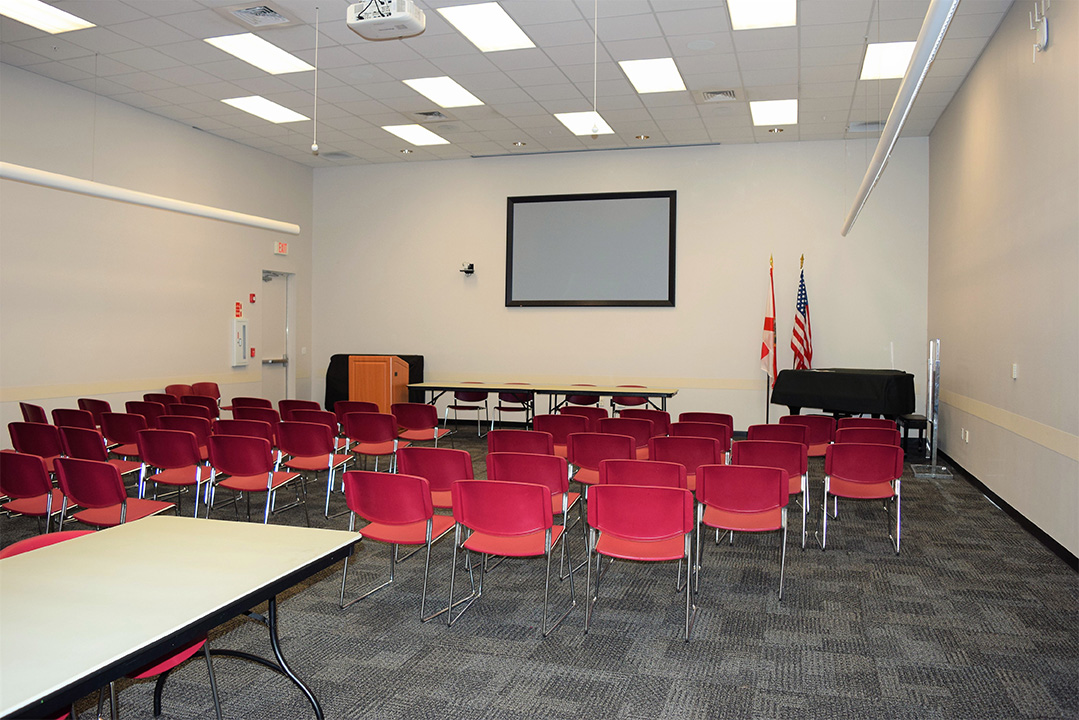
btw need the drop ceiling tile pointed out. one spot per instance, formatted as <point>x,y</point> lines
<point>581,54</point>
<point>830,73</point>
<point>341,93</point>
<point>358,75</point>
<point>146,59</point>
<point>265,85</point>
<point>895,30</point>
<point>670,112</point>
<point>902,9</point>
<point>433,47</point>
<point>16,56</point>
<point>142,82</point>
<point>408,69</point>
<point>185,75</point>
<point>51,47</point>
<point>151,32</point>
<point>520,59</point>
<point>384,52</point>
<point>101,86</point>
<point>710,65</point>
<point>638,49</point>
<point>553,35</point>
<point>832,55</point>
<point>628,27</point>
<point>829,35</point>
<point>827,90</point>
<point>179,95</point>
<point>766,78</point>
<point>388,90</point>
<point>99,66</point>
<point>105,12</point>
<point>101,40</point>
<point>703,44</point>
<point>821,12</point>
<point>459,65</point>
<point>692,22</point>
<point>785,39</point>
<point>768,59</point>
<point>548,93</point>
<point>202,24</point>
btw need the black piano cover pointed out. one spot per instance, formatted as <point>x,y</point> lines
<point>846,391</point>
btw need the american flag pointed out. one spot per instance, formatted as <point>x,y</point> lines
<point>768,339</point>
<point>802,337</point>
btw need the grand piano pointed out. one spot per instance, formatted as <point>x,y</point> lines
<point>843,391</point>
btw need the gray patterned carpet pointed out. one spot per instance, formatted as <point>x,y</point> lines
<point>975,619</point>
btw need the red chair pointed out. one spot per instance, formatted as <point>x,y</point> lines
<point>97,487</point>
<point>344,407</point>
<point>208,389</point>
<point>197,426</point>
<point>374,435</point>
<point>398,511</point>
<point>285,407</point>
<point>165,399</point>
<point>323,417</point>
<point>643,472</point>
<point>246,428</point>
<point>512,401</point>
<point>560,427</point>
<point>468,401</point>
<point>863,472</point>
<point>199,411</point>
<point>743,498</point>
<point>640,430</point>
<point>520,441</point>
<point>586,450</point>
<point>90,445</point>
<point>172,457</point>
<point>627,400</point>
<point>441,467</point>
<point>311,449</point>
<point>70,417</point>
<point>266,415</point>
<point>689,451</point>
<point>581,398</point>
<point>591,414</point>
<point>152,411</point>
<point>863,422</point>
<point>790,457</point>
<point>179,390</point>
<point>782,433</point>
<point>641,523</point>
<point>693,428</point>
<point>38,439</point>
<point>238,402</point>
<point>708,417</point>
<point>160,667</point>
<point>122,430</point>
<point>205,401</point>
<point>508,519</point>
<point>821,431</point>
<point>249,466</point>
<point>33,413</point>
<point>95,407</point>
<point>418,421</point>
<point>25,479</point>
<point>661,419</point>
<point>874,435</point>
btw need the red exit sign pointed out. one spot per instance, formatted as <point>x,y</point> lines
<point>280,248</point>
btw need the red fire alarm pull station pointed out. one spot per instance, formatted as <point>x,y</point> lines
<point>251,298</point>
<point>252,352</point>
<point>239,310</point>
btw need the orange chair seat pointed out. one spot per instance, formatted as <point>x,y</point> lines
<point>818,449</point>
<point>110,516</point>
<point>257,483</point>
<point>746,521</point>
<point>425,434</point>
<point>125,466</point>
<point>586,476</point>
<point>441,498</point>
<point>36,505</point>
<point>414,533</point>
<point>691,481</point>
<point>865,491</point>
<point>795,485</point>
<point>642,452</point>
<point>556,502</point>
<point>617,547</point>
<point>561,450</point>
<point>517,546</point>
<point>127,450</point>
<point>376,448</point>
<point>314,463</point>
<point>181,476</point>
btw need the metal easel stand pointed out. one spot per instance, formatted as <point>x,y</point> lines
<point>932,411</point>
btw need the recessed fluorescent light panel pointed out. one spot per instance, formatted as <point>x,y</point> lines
<point>265,109</point>
<point>584,123</point>
<point>264,55</point>
<point>444,92</point>
<point>774,112</point>
<point>416,134</point>
<point>652,76</point>
<point>886,60</point>
<point>757,14</point>
<point>42,16</point>
<point>487,26</point>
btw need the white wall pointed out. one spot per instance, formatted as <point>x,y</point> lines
<point>389,240</point>
<point>1004,270</point>
<point>104,299</point>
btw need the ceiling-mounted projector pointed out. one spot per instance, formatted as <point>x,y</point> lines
<point>385,19</point>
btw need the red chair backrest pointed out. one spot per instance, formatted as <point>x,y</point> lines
<point>89,483</point>
<point>23,475</point>
<point>783,433</point>
<point>70,417</point>
<point>861,422</point>
<point>209,389</point>
<point>692,428</point>
<point>322,417</point>
<point>344,407</point>
<point>246,428</point>
<point>179,390</point>
<point>560,426</point>
<point>169,449</point>
<point>639,512</point>
<point>266,415</point>
<point>36,439</point>
<point>240,455</point>
<point>165,399</point>
<point>742,488</point>
<point>470,396</point>
<point>591,414</point>
<point>708,417</point>
<point>508,509</point>
<point>441,466</point>
<point>122,427</point>
<point>879,435</point>
<point>821,427</point>
<point>83,443</point>
<point>152,411</point>
<point>33,413</point>
<point>197,426</point>
<point>863,462</point>
<point>629,399</point>
<point>637,428</point>
<point>390,499</point>
<point>238,402</point>
<point>587,449</point>
<point>661,419</point>
<point>370,427</point>
<point>205,401</point>
<point>95,407</point>
<point>582,399</point>
<point>285,407</point>
<point>198,411</point>
<point>791,457</point>
<point>522,397</point>
<point>642,472</point>
<point>415,416</point>
<point>547,470</point>
<point>689,451</point>
<point>301,439</point>
<point>520,441</point>
<point>40,541</point>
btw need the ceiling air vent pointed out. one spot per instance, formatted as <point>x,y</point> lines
<point>260,17</point>
<point>338,155</point>
<point>865,127</point>
<point>432,115</point>
<point>718,95</point>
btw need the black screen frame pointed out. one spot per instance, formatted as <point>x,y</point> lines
<point>670,195</point>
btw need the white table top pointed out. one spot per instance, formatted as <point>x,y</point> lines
<point>70,610</point>
<point>550,389</point>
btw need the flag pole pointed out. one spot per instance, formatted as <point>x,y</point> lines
<point>767,377</point>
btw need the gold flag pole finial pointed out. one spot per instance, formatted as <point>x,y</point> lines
<point>770,264</point>
<point>802,264</point>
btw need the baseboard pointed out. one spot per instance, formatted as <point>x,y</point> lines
<point>1057,549</point>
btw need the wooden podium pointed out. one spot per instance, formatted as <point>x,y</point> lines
<point>381,379</point>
